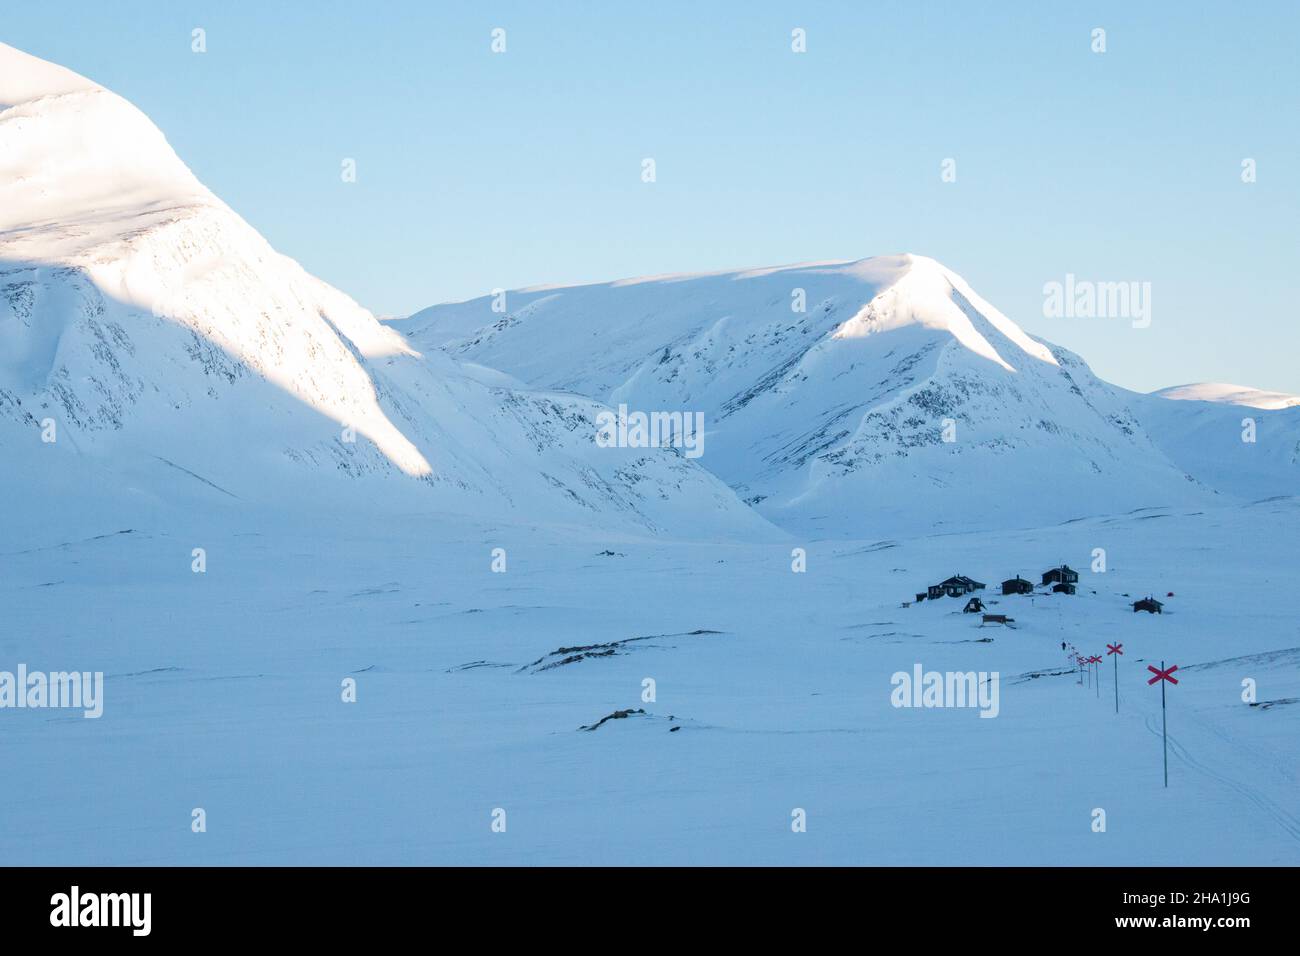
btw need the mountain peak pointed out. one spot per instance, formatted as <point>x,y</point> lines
<point>79,165</point>
<point>837,396</point>
<point>925,292</point>
<point>24,78</point>
<point>102,226</point>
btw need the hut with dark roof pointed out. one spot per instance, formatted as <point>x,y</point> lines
<point>1148,604</point>
<point>1062,575</point>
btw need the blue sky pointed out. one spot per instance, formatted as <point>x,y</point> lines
<point>477,170</point>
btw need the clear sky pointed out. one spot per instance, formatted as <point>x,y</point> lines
<point>478,170</point>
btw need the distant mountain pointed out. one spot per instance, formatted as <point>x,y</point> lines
<point>1243,442</point>
<point>1229,395</point>
<point>176,352</point>
<point>830,390</point>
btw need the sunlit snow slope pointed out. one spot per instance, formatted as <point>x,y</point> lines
<point>173,349</point>
<point>833,418</point>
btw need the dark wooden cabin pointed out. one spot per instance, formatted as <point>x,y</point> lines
<point>1062,575</point>
<point>956,586</point>
<point>1017,585</point>
<point>1063,589</point>
<point>1148,604</point>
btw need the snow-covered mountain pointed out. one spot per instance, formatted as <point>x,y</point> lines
<point>1243,442</point>
<point>1229,395</point>
<point>870,397</point>
<point>175,353</point>
<point>174,350</point>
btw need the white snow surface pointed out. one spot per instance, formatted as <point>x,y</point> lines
<point>223,691</point>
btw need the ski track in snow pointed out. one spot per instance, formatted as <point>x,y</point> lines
<point>1288,823</point>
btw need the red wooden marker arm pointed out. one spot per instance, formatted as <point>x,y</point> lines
<point>1163,675</point>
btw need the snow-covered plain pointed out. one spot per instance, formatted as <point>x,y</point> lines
<point>200,384</point>
<point>223,692</point>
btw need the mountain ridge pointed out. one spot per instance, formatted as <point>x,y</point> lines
<point>876,396</point>
<point>1227,394</point>
<point>163,337</point>
<point>828,386</point>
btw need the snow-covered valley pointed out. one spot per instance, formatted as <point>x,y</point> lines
<point>772,693</point>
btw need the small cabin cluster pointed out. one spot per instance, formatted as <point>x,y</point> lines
<point>1061,579</point>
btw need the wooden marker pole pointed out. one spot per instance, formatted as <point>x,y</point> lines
<point>1115,650</point>
<point>1163,675</point>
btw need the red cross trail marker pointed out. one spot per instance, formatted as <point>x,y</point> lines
<point>1116,650</point>
<point>1163,675</point>
<point>1095,659</point>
